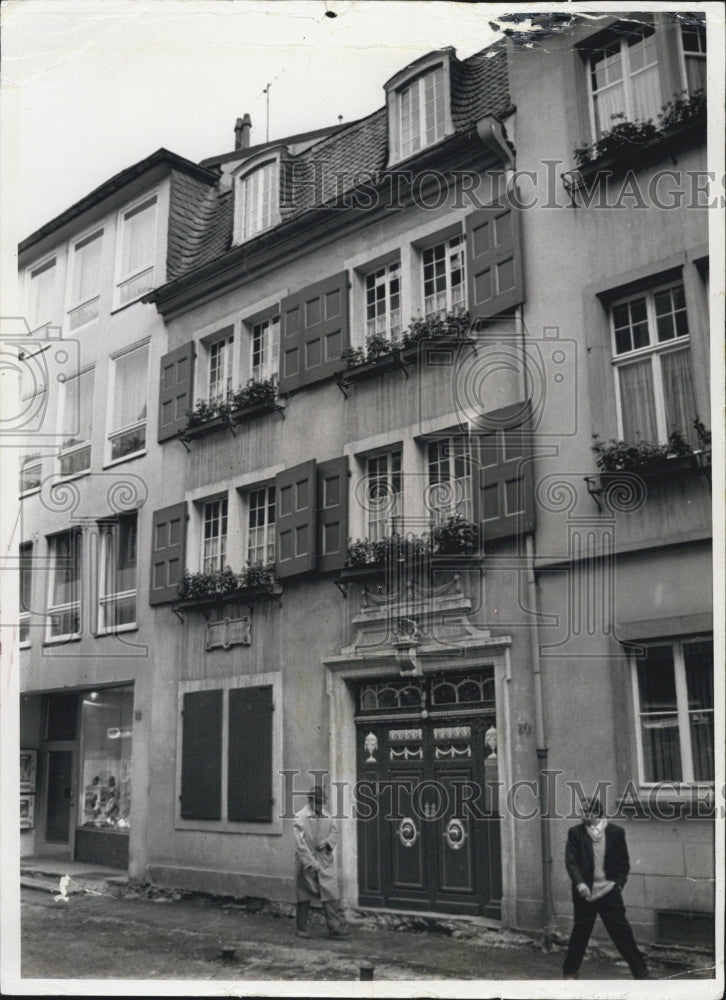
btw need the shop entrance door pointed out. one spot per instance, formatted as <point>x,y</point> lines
<point>59,803</point>
<point>428,819</point>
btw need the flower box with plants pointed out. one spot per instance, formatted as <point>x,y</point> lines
<point>258,396</point>
<point>455,536</point>
<point>645,458</point>
<point>201,589</point>
<point>625,141</point>
<point>452,328</point>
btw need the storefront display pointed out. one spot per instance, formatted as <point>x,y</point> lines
<point>107,722</point>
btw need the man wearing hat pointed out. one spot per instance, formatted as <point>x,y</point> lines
<point>315,877</point>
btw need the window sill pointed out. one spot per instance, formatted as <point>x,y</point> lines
<point>637,157</point>
<point>131,627</point>
<point>247,595</point>
<point>29,493</point>
<point>131,302</point>
<point>71,476</point>
<point>61,640</point>
<point>125,458</point>
<point>673,801</point>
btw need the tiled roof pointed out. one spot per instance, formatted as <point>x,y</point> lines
<point>204,231</point>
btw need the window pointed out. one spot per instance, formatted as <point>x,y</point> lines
<point>693,54</point>
<point>64,606</point>
<point>85,280</point>
<point>443,277</point>
<point>41,288</point>
<point>117,592</point>
<point>653,366</point>
<point>673,685</point>
<point>31,467</point>
<point>259,192</point>
<point>137,251</point>
<point>384,495</point>
<point>214,539</point>
<point>266,348</point>
<point>230,748</point>
<point>107,722</point>
<point>220,369</point>
<point>26,569</point>
<point>77,423</point>
<point>128,403</point>
<point>624,78</point>
<point>261,526</point>
<point>449,489</point>
<point>422,112</point>
<point>383,302</point>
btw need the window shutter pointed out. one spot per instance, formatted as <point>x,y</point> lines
<point>168,541</point>
<point>506,480</point>
<point>201,774</point>
<point>494,265</point>
<point>314,332</point>
<point>332,513</point>
<point>249,782</point>
<point>176,390</point>
<point>295,525</point>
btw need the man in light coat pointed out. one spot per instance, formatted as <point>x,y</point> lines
<point>316,836</point>
<point>597,862</point>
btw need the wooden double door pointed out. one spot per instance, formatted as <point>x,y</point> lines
<point>428,819</point>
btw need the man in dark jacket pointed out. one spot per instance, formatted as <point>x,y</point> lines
<point>597,862</point>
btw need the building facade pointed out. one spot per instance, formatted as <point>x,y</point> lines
<point>334,506</point>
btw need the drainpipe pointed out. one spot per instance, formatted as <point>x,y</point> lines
<point>542,749</point>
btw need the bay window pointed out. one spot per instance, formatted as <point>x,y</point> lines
<point>673,692</point>
<point>85,280</point>
<point>117,592</point>
<point>127,434</point>
<point>64,604</point>
<point>653,366</point>
<point>137,250</point>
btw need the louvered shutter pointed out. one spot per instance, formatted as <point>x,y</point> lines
<point>314,332</point>
<point>168,543</point>
<point>249,781</point>
<point>506,480</point>
<point>494,264</point>
<point>332,517</point>
<point>175,390</point>
<point>201,771</point>
<point>295,526</point>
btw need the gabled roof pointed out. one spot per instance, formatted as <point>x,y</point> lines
<point>479,87</point>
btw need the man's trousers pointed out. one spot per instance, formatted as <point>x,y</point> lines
<point>611,909</point>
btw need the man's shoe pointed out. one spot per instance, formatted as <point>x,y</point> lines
<point>302,934</point>
<point>571,975</point>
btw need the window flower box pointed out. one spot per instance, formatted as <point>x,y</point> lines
<point>205,590</point>
<point>255,399</point>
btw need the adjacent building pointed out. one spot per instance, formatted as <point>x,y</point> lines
<point>324,499</point>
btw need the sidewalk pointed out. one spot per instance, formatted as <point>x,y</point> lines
<point>142,932</point>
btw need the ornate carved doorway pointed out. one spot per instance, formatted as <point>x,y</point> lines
<point>428,816</point>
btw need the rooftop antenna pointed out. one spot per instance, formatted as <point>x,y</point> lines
<point>267,92</point>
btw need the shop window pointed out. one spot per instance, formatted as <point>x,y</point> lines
<point>41,293</point>
<point>107,729</point>
<point>444,277</point>
<point>261,526</point>
<point>624,79</point>
<point>85,293</point>
<point>673,690</point>
<point>652,361</point>
<point>266,348</point>
<point>117,595</point>
<point>26,579</point>
<point>137,250</point>
<point>64,606</point>
<point>214,535</point>
<point>75,453</point>
<point>449,479</point>
<point>227,771</point>
<point>130,377</point>
<point>383,302</point>
<point>384,494</point>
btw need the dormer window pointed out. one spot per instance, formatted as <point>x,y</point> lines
<point>257,199</point>
<point>419,105</point>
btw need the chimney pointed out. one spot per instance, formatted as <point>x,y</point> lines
<point>242,132</point>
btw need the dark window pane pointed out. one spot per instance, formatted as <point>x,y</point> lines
<point>656,680</point>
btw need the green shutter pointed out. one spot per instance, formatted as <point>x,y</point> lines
<point>295,524</point>
<point>201,775</point>
<point>494,264</point>
<point>506,480</point>
<point>332,516</point>
<point>168,543</point>
<point>313,332</point>
<point>175,390</point>
<point>249,781</point>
